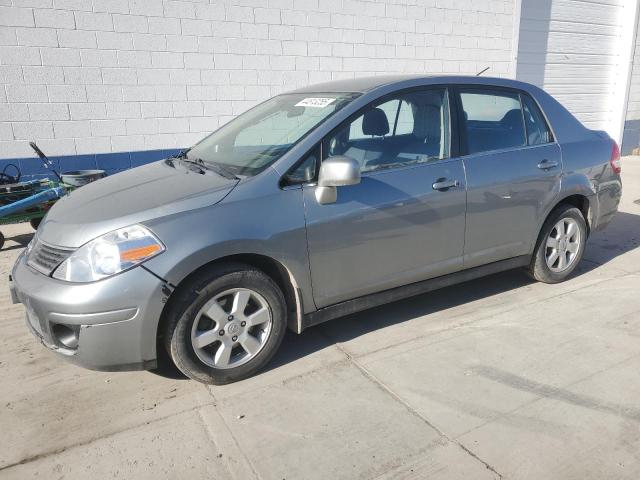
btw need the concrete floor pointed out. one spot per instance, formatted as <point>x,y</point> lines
<point>500,377</point>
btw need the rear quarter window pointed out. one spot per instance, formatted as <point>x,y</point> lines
<point>538,132</point>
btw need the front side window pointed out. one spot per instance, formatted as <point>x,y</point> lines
<point>538,132</point>
<point>404,121</point>
<point>493,120</point>
<point>390,109</point>
<point>409,129</point>
<point>256,139</point>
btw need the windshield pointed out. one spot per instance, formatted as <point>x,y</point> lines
<point>257,138</point>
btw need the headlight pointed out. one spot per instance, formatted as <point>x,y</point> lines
<point>109,254</point>
<point>30,245</point>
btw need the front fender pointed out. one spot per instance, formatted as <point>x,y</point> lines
<point>271,225</point>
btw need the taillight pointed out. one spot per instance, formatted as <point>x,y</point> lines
<point>615,158</point>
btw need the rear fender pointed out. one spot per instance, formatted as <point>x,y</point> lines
<point>573,184</point>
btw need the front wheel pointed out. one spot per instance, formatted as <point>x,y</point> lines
<point>225,325</point>
<point>560,245</point>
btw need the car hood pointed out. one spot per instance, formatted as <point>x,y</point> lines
<point>157,189</point>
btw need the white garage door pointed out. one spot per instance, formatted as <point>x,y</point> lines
<point>631,138</point>
<point>570,48</point>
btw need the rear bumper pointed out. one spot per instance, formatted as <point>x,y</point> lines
<point>608,196</point>
<point>114,320</point>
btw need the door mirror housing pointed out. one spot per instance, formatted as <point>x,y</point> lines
<point>338,171</point>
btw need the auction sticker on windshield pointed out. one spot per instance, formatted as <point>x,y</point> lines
<point>316,102</point>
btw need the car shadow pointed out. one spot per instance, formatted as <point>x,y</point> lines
<point>358,324</point>
<point>620,237</point>
<point>20,240</point>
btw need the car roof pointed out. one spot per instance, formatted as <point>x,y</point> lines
<point>366,84</point>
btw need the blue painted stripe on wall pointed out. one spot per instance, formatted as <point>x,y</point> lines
<point>32,168</point>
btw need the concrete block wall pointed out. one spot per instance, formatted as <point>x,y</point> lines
<point>97,81</point>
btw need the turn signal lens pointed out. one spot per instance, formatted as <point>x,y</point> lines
<point>139,253</point>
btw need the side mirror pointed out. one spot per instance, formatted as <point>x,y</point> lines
<point>338,171</point>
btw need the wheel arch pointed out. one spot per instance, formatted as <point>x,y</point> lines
<point>581,201</point>
<point>274,269</point>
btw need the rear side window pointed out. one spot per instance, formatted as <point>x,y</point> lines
<point>538,131</point>
<point>493,120</point>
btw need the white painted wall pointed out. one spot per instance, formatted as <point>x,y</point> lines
<point>577,51</point>
<point>98,76</point>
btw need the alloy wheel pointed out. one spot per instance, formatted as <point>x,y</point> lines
<point>231,328</point>
<point>563,245</point>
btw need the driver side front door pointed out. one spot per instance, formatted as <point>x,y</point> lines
<point>404,222</point>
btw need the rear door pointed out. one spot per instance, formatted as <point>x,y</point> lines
<point>513,169</point>
<point>404,221</point>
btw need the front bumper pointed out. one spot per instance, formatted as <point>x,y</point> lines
<point>115,320</point>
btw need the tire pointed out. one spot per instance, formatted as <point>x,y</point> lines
<point>208,308</point>
<point>547,268</point>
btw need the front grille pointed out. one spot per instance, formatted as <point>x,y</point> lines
<point>46,258</point>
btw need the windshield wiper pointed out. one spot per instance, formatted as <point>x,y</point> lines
<point>215,167</point>
<point>220,170</point>
<point>180,155</point>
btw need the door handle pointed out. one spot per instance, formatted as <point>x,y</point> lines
<point>547,164</point>
<point>443,184</point>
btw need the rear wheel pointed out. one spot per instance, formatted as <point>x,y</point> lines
<point>560,245</point>
<point>226,324</point>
